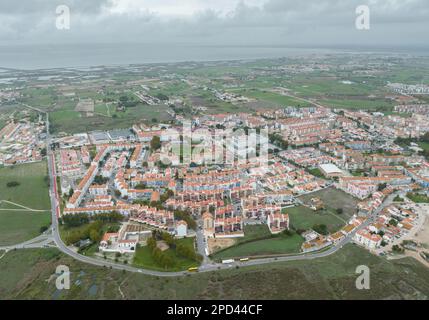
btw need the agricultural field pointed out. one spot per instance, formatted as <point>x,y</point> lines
<point>30,274</point>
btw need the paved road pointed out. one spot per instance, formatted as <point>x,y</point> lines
<point>38,242</point>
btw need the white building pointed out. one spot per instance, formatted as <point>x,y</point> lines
<point>181,229</point>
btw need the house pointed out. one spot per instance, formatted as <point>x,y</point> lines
<point>181,229</point>
<point>367,239</point>
<point>316,204</point>
<point>277,222</point>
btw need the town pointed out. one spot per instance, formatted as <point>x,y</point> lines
<point>189,188</point>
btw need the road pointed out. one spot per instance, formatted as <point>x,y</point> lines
<point>206,266</point>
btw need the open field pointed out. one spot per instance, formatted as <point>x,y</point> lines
<point>276,99</point>
<point>258,240</point>
<point>17,223</point>
<point>280,244</point>
<point>65,120</point>
<point>143,258</point>
<point>30,274</point>
<point>20,226</point>
<point>32,191</point>
<point>334,199</point>
<point>304,218</point>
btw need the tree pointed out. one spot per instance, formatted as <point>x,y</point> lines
<point>162,97</point>
<point>12,184</point>
<point>155,143</point>
<point>382,186</point>
<point>94,235</point>
<point>339,211</point>
<point>321,228</point>
<point>393,222</point>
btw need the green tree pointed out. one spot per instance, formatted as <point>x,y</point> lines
<point>155,143</point>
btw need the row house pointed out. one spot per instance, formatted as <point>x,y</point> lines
<point>97,189</point>
<point>277,222</point>
<point>260,211</point>
<point>367,239</point>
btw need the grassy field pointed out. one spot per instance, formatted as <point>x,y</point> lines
<point>304,218</point>
<point>29,274</point>
<point>16,223</point>
<point>418,198</point>
<point>19,226</point>
<point>143,258</point>
<point>334,199</point>
<point>33,188</point>
<point>273,98</point>
<point>424,145</point>
<point>258,240</point>
<point>65,120</point>
<point>277,245</point>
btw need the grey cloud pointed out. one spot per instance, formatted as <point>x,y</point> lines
<point>24,7</point>
<point>275,22</point>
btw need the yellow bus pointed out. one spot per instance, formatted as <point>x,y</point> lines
<point>193,269</point>
<point>244,259</point>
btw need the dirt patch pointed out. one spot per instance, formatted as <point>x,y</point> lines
<point>215,245</point>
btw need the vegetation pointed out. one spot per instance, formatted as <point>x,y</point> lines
<point>78,219</point>
<point>303,218</point>
<point>278,140</point>
<point>316,172</point>
<point>12,184</point>
<point>258,240</point>
<point>181,254</point>
<point>398,199</point>
<point>183,215</point>
<point>321,228</point>
<point>155,143</point>
<point>24,274</point>
<point>417,197</point>
<point>30,189</point>
<point>20,226</point>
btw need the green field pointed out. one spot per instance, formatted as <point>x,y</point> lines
<point>304,218</point>
<point>280,244</point>
<point>65,120</point>
<point>33,189</point>
<point>418,198</point>
<point>363,104</point>
<point>424,145</point>
<point>334,199</point>
<point>28,274</point>
<point>143,258</point>
<point>18,224</point>
<point>275,98</point>
<point>258,240</point>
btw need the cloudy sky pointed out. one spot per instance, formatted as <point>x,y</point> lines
<point>312,23</point>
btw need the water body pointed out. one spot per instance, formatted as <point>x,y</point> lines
<point>32,57</point>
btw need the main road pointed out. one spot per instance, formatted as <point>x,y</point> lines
<point>206,266</point>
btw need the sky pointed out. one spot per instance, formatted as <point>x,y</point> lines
<point>308,23</point>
